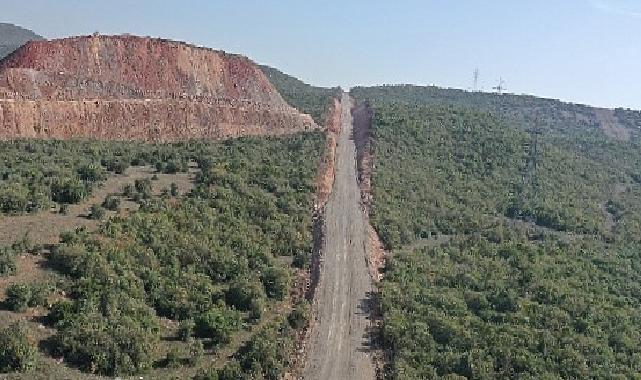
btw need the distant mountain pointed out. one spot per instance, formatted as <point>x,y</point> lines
<point>13,36</point>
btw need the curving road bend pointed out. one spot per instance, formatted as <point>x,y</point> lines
<point>340,343</point>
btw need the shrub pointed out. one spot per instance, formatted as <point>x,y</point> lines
<point>96,212</point>
<point>17,352</point>
<point>173,358</point>
<point>111,202</point>
<point>7,261</point>
<point>143,187</point>
<point>22,296</point>
<point>64,209</point>
<point>14,198</point>
<point>60,311</point>
<point>68,191</point>
<point>265,355</point>
<point>129,190</point>
<point>196,351</point>
<point>186,329</point>
<point>256,309</point>
<point>242,292</point>
<point>299,316</point>
<point>231,371</point>
<point>218,324</point>
<point>173,189</point>
<point>276,282</point>
<point>171,167</point>
<point>118,166</point>
<point>91,173</point>
<point>302,259</point>
<point>119,344</point>
<point>210,374</point>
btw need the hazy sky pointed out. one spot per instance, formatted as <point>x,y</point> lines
<point>586,51</point>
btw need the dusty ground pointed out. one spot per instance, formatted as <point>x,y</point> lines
<point>610,124</point>
<point>340,341</point>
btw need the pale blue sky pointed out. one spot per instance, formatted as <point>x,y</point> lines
<point>586,51</point>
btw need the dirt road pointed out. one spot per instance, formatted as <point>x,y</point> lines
<point>339,346</point>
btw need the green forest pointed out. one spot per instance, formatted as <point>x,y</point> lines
<point>513,228</point>
<point>199,270</point>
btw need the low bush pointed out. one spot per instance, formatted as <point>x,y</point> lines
<point>96,212</point>
<point>111,202</point>
<point>17,351</point>
<point>22,296</point>
<point>7,261</point>
<point>218,325</point>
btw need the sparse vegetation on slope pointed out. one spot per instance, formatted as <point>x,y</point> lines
<point>509,261</point>
<point>36,174</point>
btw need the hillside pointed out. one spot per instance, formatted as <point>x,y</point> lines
<point>13,36</point>
<point>523,111</point>
<point>309,99</point>
<point>511,225</point>
<point>126,87</point>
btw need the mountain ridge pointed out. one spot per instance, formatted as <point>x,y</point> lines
<point>13,36</point>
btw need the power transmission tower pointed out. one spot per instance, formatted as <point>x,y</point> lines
<point>500,87</point>
<point>477,74</point>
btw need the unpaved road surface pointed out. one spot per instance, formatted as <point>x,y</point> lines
<point>340,342</point>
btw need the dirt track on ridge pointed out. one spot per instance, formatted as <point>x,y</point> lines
<point>340,342</point>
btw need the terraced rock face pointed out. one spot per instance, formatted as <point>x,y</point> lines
<point>125,87</point>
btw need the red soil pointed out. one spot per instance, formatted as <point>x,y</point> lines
<point>125,87</point>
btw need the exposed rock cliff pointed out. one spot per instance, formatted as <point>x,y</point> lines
<point>125,87</point>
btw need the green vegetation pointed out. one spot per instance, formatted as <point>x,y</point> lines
<point>22,296</point>
<point>111,202</point>
<point>210,260</point>
<point>17,352</point>
<point>8,254</point>
<point>96,212</point>
<point>265,356</point>
<point>515,243</point>
<point>33,174</point>
<point>308,99</point>
<point>521,111</point>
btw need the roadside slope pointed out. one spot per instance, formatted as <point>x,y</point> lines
<point>339,340</point>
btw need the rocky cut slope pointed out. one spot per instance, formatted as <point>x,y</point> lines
<point>126,87</point>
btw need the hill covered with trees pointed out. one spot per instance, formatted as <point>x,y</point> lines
<point>13,36</point>
<point>512,224</point>
<point>308,99</point>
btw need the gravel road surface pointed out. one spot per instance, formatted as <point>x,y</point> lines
<point>339,346</point>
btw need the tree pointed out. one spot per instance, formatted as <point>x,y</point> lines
<point>17,351</point>
<point>68,191</point>
<point>218,324</point>
<point>22,296</point>
<point>14,198</point>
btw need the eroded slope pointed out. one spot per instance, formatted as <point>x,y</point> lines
<point>125,87</point>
